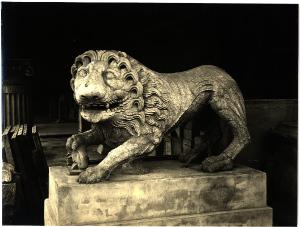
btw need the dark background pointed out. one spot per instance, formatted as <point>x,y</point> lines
<point>257,44</point>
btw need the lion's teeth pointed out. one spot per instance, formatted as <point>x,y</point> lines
<point>107,106</point>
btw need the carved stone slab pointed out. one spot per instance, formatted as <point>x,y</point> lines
<point>168,191</point>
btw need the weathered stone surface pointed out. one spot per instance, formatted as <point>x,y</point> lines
<point>166,191</point>
<point>132,107</point>
<point>243,217</point>
<point>7,172</point>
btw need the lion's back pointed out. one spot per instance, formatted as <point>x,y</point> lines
<point>202,78</point>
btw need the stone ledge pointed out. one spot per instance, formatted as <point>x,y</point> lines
<point>167,191</point>
<point>243,217</point>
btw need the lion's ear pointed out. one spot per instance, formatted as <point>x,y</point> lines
<point>72,83</point>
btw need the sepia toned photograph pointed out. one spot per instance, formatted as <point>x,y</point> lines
<point>149,114</point>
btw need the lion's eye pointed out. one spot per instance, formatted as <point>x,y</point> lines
<point>109,75</point>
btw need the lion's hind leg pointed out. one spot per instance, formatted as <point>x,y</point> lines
<point>229,105</point>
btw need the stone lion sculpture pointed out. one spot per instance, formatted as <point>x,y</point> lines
<point>131,107</point>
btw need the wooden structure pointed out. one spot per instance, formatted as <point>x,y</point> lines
<point>22,148</point>
<point>15,105</point>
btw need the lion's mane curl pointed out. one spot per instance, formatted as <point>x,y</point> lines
<point>152,107</point>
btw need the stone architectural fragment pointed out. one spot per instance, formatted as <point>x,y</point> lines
<point>168,195</point>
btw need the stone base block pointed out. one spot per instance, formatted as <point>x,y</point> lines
<point>168,195</point>
<point>243,217</point>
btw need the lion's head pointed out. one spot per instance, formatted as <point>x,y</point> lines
<point>110,85</point>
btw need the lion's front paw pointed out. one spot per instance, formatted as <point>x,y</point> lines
<point>217,163</point>
<point>92,175</point>
<point>74,142</point>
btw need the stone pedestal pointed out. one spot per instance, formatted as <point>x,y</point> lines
<point>168,195</point>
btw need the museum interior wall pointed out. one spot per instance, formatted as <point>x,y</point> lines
<point>256,44</point>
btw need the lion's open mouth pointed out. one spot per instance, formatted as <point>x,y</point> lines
<point>101,106</point>
<point>100,111</point>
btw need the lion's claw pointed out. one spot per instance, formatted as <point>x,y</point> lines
<point>74,142</point>
<point>92,175</point>
<point>217,163</point>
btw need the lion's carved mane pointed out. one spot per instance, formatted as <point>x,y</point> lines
<point>152,106</point>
